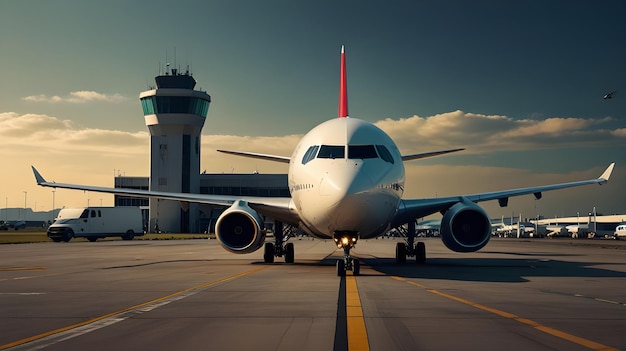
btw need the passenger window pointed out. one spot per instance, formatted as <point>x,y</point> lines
<point>361,151</point>
<point>384,153</point>
<point>331,151</point>
<point>93,213</point>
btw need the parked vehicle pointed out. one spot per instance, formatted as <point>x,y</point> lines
<point>96,222</point>
<point>620,231</point>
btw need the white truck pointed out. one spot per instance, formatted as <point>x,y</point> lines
<point>620,231</point>
<point>96,222</point>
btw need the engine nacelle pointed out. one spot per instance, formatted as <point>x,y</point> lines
<point>465,227</point>
<point>239,229</point>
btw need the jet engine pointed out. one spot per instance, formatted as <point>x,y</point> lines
<point>239,229</point>
<point>465,227</point>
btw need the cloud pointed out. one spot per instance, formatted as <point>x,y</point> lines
<point>51,133</point>
<point>77,97</point>
<point>487,133</point>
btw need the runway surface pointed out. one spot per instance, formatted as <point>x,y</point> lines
<point>515,294</point>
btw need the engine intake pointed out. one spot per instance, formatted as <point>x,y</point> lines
<point>465,227</point>
<point>239,229</point>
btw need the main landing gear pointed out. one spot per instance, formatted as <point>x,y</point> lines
<point>280,247</point>
<point>346,241</point>
<point>409,248</point>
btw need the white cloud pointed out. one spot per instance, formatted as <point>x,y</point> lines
<point>77,97</point>
<point>487,133</point>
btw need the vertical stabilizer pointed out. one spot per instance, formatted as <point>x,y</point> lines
<point>343,87</point>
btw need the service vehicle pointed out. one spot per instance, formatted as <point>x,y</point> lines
<point>94,223</point>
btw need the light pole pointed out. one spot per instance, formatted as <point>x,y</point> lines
<point>25,193</point>
<point>53,216</point>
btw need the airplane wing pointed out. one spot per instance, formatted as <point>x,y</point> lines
<point>285,159</point>
<point>428,154</point>
<point>415,208</point>
<point>275,158</point>
<point>279,208</point>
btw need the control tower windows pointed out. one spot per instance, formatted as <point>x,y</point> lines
<point>174,104</point>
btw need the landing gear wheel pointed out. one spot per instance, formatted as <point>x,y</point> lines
<point>268,254</point>
<point>289,253</point>
<point>420,253</point>
<point>356,267</point>
<point>400,252</point>
<point>341,268</point>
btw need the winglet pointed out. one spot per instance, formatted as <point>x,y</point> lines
<point>343,87</point>
<point>607,173</point>
<point>40,180</point>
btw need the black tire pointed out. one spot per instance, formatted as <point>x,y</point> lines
<point>289,253</point>
<point>400,252</point>
<point>341,268</point>
<point>420,253</point>
<point>68,234</point>
<point>268,254</point>
<point>356,267</point>
<point>129,235</point>
<point>92,238</point>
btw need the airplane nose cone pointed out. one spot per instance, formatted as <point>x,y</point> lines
<point>341,184</point>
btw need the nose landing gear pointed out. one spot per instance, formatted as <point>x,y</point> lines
<point>346,241</point>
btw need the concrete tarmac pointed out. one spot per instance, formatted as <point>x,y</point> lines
<point>515,294</point>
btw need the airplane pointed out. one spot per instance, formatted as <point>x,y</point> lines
<point>609,95</point>
<point>346,179</point>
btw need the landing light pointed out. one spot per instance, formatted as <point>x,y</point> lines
<point>345,240</point>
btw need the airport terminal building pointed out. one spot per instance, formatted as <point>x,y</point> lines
<point>175,114</point>
<point>217,184</point>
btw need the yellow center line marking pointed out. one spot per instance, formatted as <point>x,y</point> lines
<point>90,321</point>
<point>560,334</point>
<point>357,334</point>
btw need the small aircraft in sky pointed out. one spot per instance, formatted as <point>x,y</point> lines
<point>609,95</point>
<point>346,179</point>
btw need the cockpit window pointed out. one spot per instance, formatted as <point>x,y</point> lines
<point>331,151</point>
<point>384,153</point>
<point>310,154</point>
<point>361,151</point>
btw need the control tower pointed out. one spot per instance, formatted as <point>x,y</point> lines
<point>174,114</point>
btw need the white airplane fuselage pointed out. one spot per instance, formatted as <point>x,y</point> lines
<point>341,179</point>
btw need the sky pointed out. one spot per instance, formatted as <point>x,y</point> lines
<point>519,84</point>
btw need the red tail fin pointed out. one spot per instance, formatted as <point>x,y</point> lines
<point>343,87</point>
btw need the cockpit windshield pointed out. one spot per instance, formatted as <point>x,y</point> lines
<point>361,151</point>
<point>332,151</point>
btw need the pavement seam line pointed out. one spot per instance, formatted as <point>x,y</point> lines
<point>136,307</point>
<point>554,332</point>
